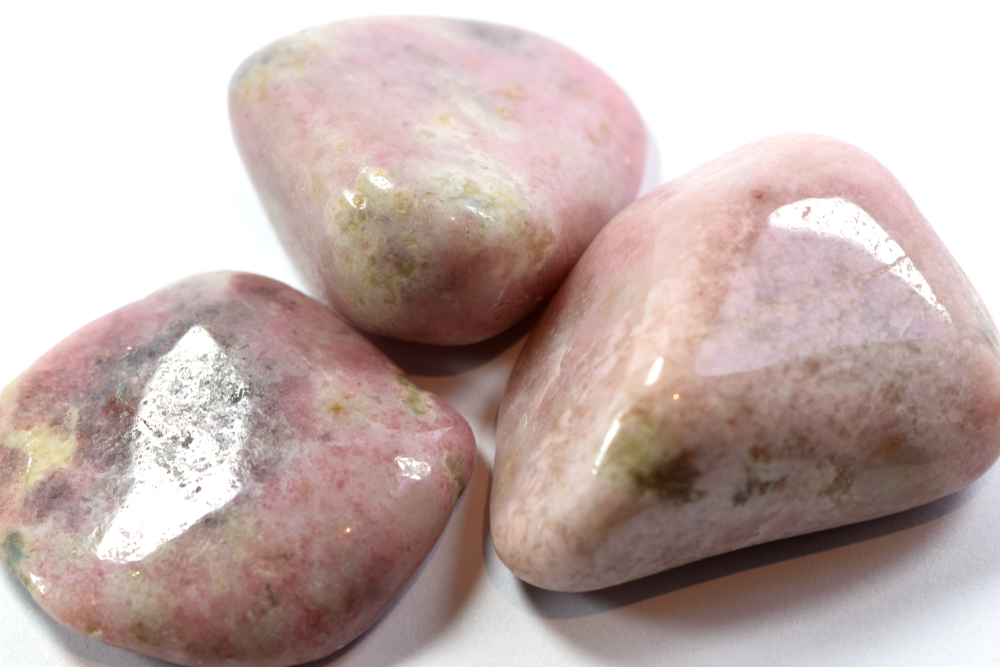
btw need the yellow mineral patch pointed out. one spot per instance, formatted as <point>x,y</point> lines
<point>639,450</point>
<point>298,63</point>
<point>378,237</point>
<point>344,409</point>
<point>8,392</point>
<point>291,59</point>
<point>255,82</point>
<point>383,245</point>
<point>514,91</point>
<point>414,399</point>
<point>455,464</point>
<point>500,216</point>
<point>841,474</point>
<point>316,187</point>
<point>537,240</point>
<point>341,401</point>
<point>375,175</point>
<point>46,447</point>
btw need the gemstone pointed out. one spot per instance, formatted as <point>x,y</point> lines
<point>223,473</point>
<point>773,344</point>
<point>433,179</point>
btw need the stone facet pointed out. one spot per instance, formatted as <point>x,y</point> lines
<point>434,179</point>
<point>223,473</point>
<point>773,344</point>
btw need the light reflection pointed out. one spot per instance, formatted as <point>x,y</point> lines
<point>187,441</point>
<point>480,212</point>
<point>377,177</point>
<point>608,439</point>
<point>360,202</point>
<point>823,274</point>
<point>654,372</point>
<point>412,468</point>
<point>40,584</point>
<point>842,219</point>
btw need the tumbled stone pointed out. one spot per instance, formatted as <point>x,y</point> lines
<point>223,473</point>
<point>433,179</point>
<point>773,344</point>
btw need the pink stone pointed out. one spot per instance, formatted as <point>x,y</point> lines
<point>223,473</point>
<point>773,344</point>
<point>434,179</point>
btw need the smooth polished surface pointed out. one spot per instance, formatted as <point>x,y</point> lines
<point>223,473</point>
<point>434,179</point>
<point>772,344</point>
<point>126,177</point>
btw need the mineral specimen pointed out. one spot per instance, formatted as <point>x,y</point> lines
<point>223,473</point>
<point>772,344</point>
<point>433,179</point>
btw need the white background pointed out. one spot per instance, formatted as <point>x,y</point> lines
<point>118,175</point>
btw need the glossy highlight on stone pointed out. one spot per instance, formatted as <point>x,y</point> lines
<point>223,473</point>
<point>772,344</point>
<point>434,179</point>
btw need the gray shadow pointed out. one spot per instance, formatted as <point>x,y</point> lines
<point>554,605</point>
<point>652,169</point>
<point>439,361</point>
<point>71,642</point>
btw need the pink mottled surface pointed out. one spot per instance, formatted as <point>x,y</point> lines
<point>775,343</point>
<point>329,476</point>
<point>434,179</point>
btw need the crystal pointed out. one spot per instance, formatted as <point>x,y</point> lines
<point>223,473</point>
<point>773,344</point>
<point>433,179</point>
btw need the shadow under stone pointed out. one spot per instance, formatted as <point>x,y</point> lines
<point>437,361</point>
<point>554,605</point>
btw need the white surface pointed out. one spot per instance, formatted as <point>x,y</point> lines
<point>119,176</point>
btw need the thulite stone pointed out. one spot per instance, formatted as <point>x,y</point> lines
<point>223,473</point>
<point>773,344</point>
<point>434,179</point>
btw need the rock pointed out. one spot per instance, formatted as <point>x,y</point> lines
<point>223,473</point>
<point>433,179</point>
<point>773,344</point>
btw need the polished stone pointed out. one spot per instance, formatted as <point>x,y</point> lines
<point>773,344</point>
<point>223,473</point>
<point>433,179</point>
